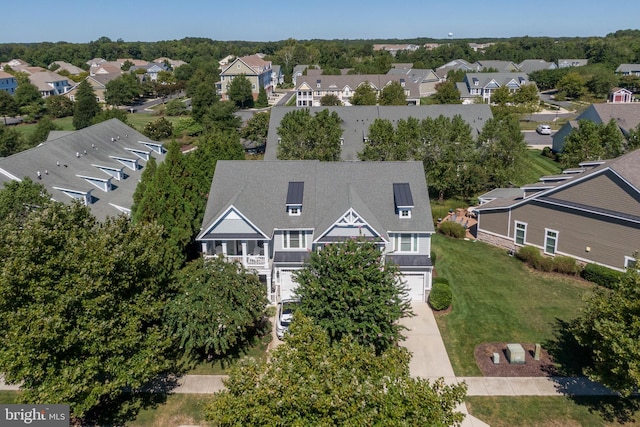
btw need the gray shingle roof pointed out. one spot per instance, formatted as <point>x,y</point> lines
<point>259,191</point>
<point>61,160</point>
<point>357,119</point>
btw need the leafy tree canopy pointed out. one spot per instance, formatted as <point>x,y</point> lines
<point>257,128</point>
<point>307,137</point>
<point>80,305</point>
<point>364,94</point>
<point>59,106</point>
<point>311,382</point>
<point>19,198</point>
<point>240,91</point>
<point>86,106</point>
<point>348,291</point>
<point>592,141</point>
<point>393,94</point>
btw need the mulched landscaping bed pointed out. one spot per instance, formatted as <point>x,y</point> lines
<point>532,368</point>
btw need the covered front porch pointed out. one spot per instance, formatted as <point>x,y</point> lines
<point>251,253</point>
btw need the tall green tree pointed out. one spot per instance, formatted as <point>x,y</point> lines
<point>257,128</point>
<point>382,143</point>
<point>308,381</point>
<point>111,113</point>
<point>503,151</point>
<point>59,106</point>
<point>364,94</point>
<point>11,141</point>
<point>348,290</point>
<point>221,116</point>
<point>219,308</point>
<point>86,106</point>
<point>572,85</point>
<point>26,94</point>
<point>80,307</point>
<point>41,133</point>
<point>203,96</point>
<point>393,94</point>
<point>158,130</point>
<point>8,106</point>
<point>582,144</point>
<point>447,93</point>
<point>307,137</point>
<point>19,198</point>
<point>608,331</point>
<point>330,100</point>
<point>240,91</point>
<point>123,90</point>
<point>263,100</point>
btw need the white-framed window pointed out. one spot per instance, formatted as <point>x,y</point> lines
<point>406,242</point>
<point>404,213</point>
<point>294,210</point>
<point>295,239</point>
<point>550,241</point>
<point>630,262</point>
<point>520,236</point>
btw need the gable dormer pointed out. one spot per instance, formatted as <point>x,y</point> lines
<point>295,194</point>
<point>403,199</point>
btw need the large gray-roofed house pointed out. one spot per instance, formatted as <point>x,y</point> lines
<point>591,213</point>
<point>269,215</point>
<point>357,119</point>
<point>99,165</point>
<point>628,69</point>
<point>530,65</point>
<point>482,85</point>
<point>626,115</point>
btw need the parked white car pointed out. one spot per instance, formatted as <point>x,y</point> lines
<point>284,316</point>
<point>543,129</point>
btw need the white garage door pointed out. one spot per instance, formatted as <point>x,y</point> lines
<point>415,284</point>
<point>287,285</point>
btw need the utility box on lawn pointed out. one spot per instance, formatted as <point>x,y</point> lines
<point>515,354</point>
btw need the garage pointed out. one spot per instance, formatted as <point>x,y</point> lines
<point>415,285</point>
<point>287,285</point>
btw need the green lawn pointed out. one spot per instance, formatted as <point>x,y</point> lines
<point>496,299</point>
<point>540,165</point>
<point>8,396</point>
<point>179,409</point>
<point>554,411</point>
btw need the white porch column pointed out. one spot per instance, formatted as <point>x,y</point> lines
<point>266,254</point>
<point>244,252</point>
<point>204,248</point>
<point>224,248</point>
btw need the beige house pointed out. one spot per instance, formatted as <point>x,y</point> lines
<point>254,68</point>
<point>98,83</point>
<point>590,213</point>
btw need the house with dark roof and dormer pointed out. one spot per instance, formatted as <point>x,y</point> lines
<point>270,215</point>
<point>482,85</point>
<point>99,165</point>
<point>590,213</point>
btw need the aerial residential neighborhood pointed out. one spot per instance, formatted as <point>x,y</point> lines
<point>320,231</point>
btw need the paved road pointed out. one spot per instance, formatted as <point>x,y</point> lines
<point>535,140</point>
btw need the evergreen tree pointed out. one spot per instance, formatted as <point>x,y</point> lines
<point>86,106</point>
<point>262,101</point>
<point>44,126</point>
<point>364,94</point>
<point>240,91</point>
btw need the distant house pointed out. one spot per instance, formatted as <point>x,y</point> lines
<point>254,68</point>
<point>480,47</point>
<point>270,215</point>
<point>482,85</point>
<point>628,70</point>
<point>565,63</point>
<point>626,115</point>
<point>425,79</point>
<point>99,165</point>
<point>591,213</point>
<point>95,62</point>
<point>529,66</point>
<point>50,83</point>
<point>98,83</point>
<point>355,122</point>
<point>65,66</point>
<point>8,83</point>
<point>311,89</point>
<point>620,95</point>
<point>393,49</point>
<point>498,66</point>
<point>14,64</point>
<point>173,63</point>
<point>105,68</point>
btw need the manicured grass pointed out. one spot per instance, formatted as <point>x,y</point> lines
<point>440,209</point>
<point>539,165</point>
<point>554,411</point>
<point>8,396</point>
<point>179,409</point>
<point>497,299</point>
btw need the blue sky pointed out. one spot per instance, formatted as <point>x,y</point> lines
<point>145,20</point>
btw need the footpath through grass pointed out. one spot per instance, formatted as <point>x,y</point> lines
<point>497,299</point>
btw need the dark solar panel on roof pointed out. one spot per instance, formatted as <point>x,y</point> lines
<point>295,193</point>
<point>402,195</point>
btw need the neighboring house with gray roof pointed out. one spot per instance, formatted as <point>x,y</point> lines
<point>270,215</point>
<point>565,63</point>
<point>254,68</point>
<point>277,78</point>
<point>626,115</point>
<point>356,121</point>
<point>50,83</point>
<point>498,66</point>
<point>628,69</point>
<point>482,85</point>
<point>99,165</point>
<point>425,79</point>
<point>529,66</point>
<point>70,68</point>
<point>98,83</point>
<point>311,89</point>
<point>591,213</point>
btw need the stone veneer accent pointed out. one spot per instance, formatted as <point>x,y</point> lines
<point>498,241</point>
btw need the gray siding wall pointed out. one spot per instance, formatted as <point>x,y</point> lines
<point>609,240</point>
<point>606,191</point>
<point>278,241</point>
<point>494,222</point>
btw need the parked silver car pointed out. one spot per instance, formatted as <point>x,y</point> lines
<point>284,316</point>
<point>543,129</point>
